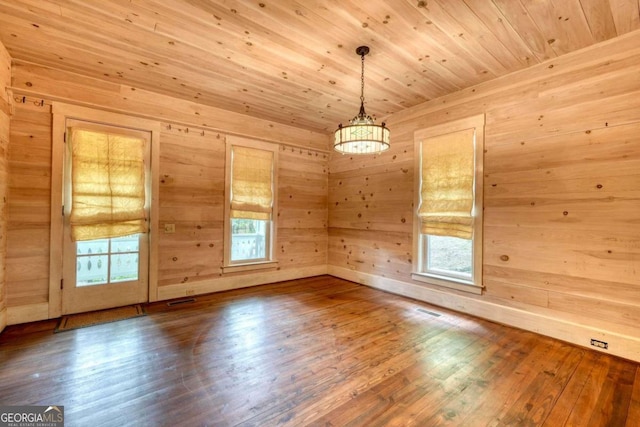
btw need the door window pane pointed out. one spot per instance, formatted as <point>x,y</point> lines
<point>125,244</point>
<point>92,270</point>
<point>87,247</point>
<point>124,267</point>
<point>103,261</point>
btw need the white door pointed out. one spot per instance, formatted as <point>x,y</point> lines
<point>105,272</point>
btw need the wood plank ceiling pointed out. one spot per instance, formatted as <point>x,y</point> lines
<point>294,62</point>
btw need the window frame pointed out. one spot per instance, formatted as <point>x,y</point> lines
<point>270,260</point>
<point>420,272</point>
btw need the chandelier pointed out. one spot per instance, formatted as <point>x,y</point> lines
<point>361,135</point>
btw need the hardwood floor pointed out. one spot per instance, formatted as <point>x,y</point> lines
<point>319,352</point>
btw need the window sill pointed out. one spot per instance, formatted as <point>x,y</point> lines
<point>250,266</point>
<point>450,283</point>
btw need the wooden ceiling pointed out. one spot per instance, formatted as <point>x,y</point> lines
<point>294,62</point>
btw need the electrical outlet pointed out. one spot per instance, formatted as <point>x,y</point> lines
<point>189,292</point>
<point>600,344</point>
<point>169,228</point>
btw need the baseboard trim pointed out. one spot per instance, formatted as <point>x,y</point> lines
<point>27,313</point>
<point>237,282</point>
<point>40,311</point>
<point>621,345</point>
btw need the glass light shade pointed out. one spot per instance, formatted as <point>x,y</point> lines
<point>361,136</point>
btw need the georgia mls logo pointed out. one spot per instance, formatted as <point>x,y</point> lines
<point>56,411</point>
<point>31,416</point>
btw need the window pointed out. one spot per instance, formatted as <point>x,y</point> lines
<point>448,221</point>
<point>250,204</point>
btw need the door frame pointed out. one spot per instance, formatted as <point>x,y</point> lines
<point>61,112</point>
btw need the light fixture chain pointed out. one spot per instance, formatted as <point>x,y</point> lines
<point>362,82</point>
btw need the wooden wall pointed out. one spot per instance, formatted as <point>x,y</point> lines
<point>562,191</point>
<point>5,102</point>
<point>192,198</point>
<point>192,144</point>
<point>29,207</point>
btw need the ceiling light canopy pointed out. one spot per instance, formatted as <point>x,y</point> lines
<point>362,135</point>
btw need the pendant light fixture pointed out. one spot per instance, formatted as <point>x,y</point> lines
<point>362,135</point>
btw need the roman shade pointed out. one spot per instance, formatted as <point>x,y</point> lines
<point>107,185</point>
<point>251,183</point>
<point>447,191</point>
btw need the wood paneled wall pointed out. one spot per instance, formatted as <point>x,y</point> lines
<point>192,166</point>
<point>29,204</point>
<point>5,102</point>
<point>191,190</point>
<point>70,87</point>
<point>562,190</point>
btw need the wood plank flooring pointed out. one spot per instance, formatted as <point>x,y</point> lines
<point>318,352</point>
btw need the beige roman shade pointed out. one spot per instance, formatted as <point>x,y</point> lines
<point>108,185</point>
<point>251,183</point>
<point>447,185</point>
